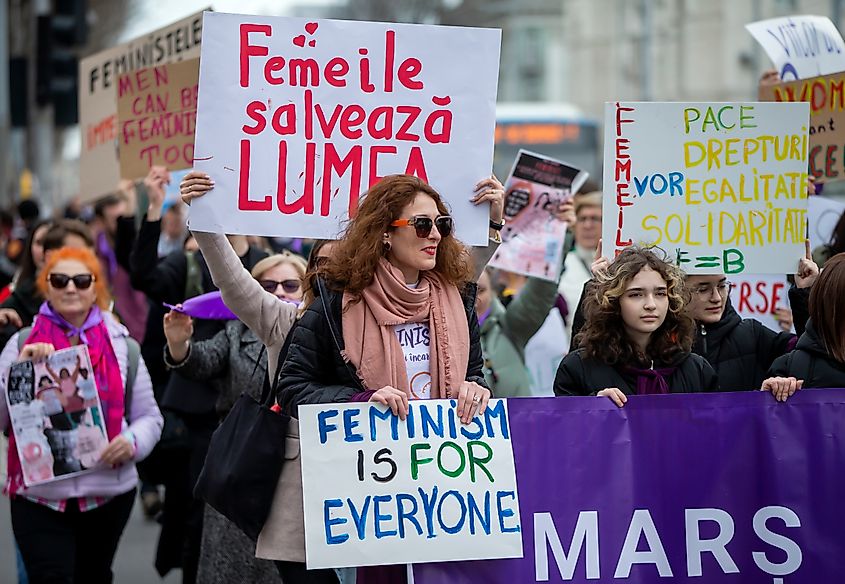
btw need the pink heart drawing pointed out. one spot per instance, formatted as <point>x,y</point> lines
<point>299,41</point>
<point>312,43</point>
<point>311,27</point>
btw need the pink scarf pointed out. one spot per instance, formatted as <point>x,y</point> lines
<point>50,327</point>
<point>371,344</point>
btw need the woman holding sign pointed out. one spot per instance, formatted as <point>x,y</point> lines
<point>637,336</point>
<point>68,529</point>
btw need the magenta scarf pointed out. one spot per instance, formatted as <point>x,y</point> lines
<point>51,327</point>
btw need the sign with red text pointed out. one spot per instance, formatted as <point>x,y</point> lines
<point>298,118</point>
<point>760,297</point>
<point>801,46</point>
<point>157,111</point>
<point>533,235</point>
<point>720,187</point>
<point>99,166</point>
<point>378,490</point>
<point>826,96</point>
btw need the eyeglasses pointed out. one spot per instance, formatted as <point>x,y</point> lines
<point>588,219</point>
<point>424,224</point>
<point>706,290</point>
<point>289,286</point>
<point>81,281</point>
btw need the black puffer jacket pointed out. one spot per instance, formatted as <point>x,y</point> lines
<point>581,375</point>
<point>740,350</point>
<point>314,371</point>
<point>811,362</point>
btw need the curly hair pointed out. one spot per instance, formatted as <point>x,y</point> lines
<point>85,257</point>
<point>353,262</point>
<point>603,336</point>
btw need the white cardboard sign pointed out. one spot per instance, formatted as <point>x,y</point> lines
<point>824,214</point>
<point>720,187</point>
<point>801,46</point>
<point>381,491</point>
<point>757,297</point>
<point>297,118</point>
<point>99,166</point>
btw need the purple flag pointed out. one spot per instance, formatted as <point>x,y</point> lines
<point>697,488</point>
<point>208,305</point>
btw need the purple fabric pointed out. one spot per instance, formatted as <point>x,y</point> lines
<point>95,317</point>
<point>483,317</point>
<point>651,381</point>
<point>728,454</point>
<point>105,251</point>
<point>362,396</point>
<point>396,574</point>
<point>562,308</point>
<point>210,306</point>
<point>791,344</point>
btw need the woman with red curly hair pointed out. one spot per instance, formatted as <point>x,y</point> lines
<point>68,529</point>
<point>638,334</point>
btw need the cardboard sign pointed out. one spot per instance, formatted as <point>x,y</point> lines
<point>801,46</point>
<point>99,167</point>
<point>826,96</point>
<point>298,118</point>
<point>824,214</point>
<point>380,491</point>
<point>157,111</point>
<point>721,187</point>
<point>56,416</point>
<point>758,297</point>
<point>533,236</point>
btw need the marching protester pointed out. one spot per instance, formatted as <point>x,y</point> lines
<point>586,229</point>
<point>638,336</point>
<point>68,530</point>
<point>819,357</point>
<point>234,361</point>
<point>396,299</point>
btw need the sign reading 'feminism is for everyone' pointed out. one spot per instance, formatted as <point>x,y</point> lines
<point>721,187</point>
<point>296,119</point>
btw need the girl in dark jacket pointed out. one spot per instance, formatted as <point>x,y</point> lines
<point>393,317</point>
<point>819,357</point>
<point>637,335</point>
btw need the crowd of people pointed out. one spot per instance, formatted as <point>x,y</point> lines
<point>396,309</point>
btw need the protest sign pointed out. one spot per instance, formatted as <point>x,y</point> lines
<point>801,46</point>
<point>758,297</point>
<point>99,167</point>
<point>694,488</point>
<point>56,416</point>
<point>298,118</point>
<point>824,214</point>
<point>380,491</point>
<point>826,96</point>
<point>156,112</point>
<point>721,187</point>
<point>533,236</point>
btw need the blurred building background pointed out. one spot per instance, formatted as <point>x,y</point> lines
<point>566,57</point>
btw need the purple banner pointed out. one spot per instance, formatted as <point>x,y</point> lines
<point>698,488</point>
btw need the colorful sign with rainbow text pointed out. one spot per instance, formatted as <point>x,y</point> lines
<point>377,490</point>
<point>297,119</point>
<point>721,187</point>
<point>729,488</point>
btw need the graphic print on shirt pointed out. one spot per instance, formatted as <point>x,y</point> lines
<point>415,340</point>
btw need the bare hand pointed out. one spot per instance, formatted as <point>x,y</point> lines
<point>156,181</point>
<point>10,316</point>
<point>472,400</point>
<point>784,317</point>
<point>615,394</point>
<point>769,77</point>
<point>600,263</point>
<point>491,190</point>
<point>808,270</point>
<point>36,352</point>
<point>811,185</point>
<point>127,188</point>
<point>566,212</point>
<point>782,387</point>
<point>395,399</point>
<point>118,451</point>
<point>178,327</point>
<point>194,185</point>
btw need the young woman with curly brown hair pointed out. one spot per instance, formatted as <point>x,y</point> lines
<point>637,336</point>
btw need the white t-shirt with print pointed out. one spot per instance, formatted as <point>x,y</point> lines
<point>415,340</point>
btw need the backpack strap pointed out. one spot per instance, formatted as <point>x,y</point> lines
<point>23,335</point>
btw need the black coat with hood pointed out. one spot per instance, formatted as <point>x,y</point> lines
<point>740,350</point>
<point>578,374</point>
<point>315,372</point>
<point>811,362</point>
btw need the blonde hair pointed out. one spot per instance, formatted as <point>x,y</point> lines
<point>278,259</point>
<point>582,200</point>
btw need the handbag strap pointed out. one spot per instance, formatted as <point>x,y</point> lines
<point>324,297</point>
